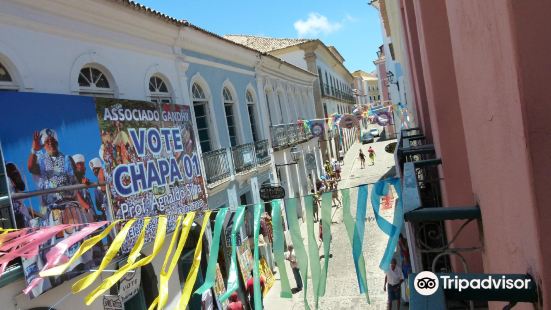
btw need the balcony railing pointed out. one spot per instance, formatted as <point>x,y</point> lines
<point>333,92</point>
<point>217,165</point>
<point>262,152</point>
<point>287,135</point>
<point>244,157</point>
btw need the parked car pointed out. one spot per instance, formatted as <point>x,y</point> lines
<point>374,132</point>
<point>367,138</point>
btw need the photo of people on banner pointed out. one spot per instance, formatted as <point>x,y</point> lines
<point>74,162</point>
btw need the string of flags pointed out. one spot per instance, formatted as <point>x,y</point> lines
<point>25,243</point>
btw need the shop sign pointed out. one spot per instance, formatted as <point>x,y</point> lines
<point>130,285</point>
<point>112,302</point>
<point>268,192</point>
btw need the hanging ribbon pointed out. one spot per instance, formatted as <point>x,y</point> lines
<point>233,283</point>
<point>185,226</point>
<point>300,251</point>
<point>313,251</point>
<point>279,252</point>
<point>192,275</point>
<point>397,224</point>
<point>55,255</point>
<point>360,263</point>
<point>326,201</point>
<point>359,228</point>
<point>84,247</point>
<point>112,280</point>
<point>132,257</point>
<point>83,283</point>
<point>29,244</point>
<point>210,275</point>
<point>256,273</point>
<point>379,190</point>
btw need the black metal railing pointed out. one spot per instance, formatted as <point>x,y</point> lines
<point>244,157</point>
<point>262,152</point>
<point>287,135</point>
<point>333,92</point>
<point>6,221</point>
<point>217,165</point>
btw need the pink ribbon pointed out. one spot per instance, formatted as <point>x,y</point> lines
<point>12,235</point>
<point>55,256</point>
<point>32,242</point>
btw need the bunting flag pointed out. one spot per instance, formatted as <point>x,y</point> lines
<point>326,201</point>
<point>359,228</point>
<point>300,251</point>
<point>83,283</point>
<point>192,275</point>
<point>349,224</point>
<point>210,275</point>
<point>278,249</point>
<point>185,227</point>
<point>233,281</point>
<point>313,251</point>
<point>256,273</point>
<point>160,235</point>
<point>56,254</point>
<point>381,189</point>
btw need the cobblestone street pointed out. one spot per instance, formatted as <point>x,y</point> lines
<point>342,287</point>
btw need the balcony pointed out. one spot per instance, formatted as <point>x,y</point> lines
<point>429,246</point>
<point>288,135</point>
<point>244,157</point>
<point>335,93</point>
<point>262,152</point>
<point>221,165</point>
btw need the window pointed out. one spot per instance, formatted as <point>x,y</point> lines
<point>158,90</point>
<point>252,115</point>
<point>200,107</point>
<point>228,108</point>
<point>94,82</point>
<point>6,80</point>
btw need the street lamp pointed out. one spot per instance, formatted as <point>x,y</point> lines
<point>390,78</point>
<point>295,154</point>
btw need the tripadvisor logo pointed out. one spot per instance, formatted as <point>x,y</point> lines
<point>426,283</point>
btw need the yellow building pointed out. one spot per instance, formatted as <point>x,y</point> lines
<point>367,87</point>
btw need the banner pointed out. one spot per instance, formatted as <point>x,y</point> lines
<point>317,127</point>
<point>75,160</point>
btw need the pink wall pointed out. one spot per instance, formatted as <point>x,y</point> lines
<point>502,63</point>
<point>446,120</point>
<point>382,70</point>
<point>416,70</point>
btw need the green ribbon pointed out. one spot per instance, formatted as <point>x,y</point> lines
<point>279,251</point>
<point>300,251</point>
<point>349,224</point>
<point>313,251</point>
<point>256,273</point>
<point>233,281</point>
<point>326,226</point>
<point>210,275</point>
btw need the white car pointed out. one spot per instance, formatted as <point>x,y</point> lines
<point>374,132</point>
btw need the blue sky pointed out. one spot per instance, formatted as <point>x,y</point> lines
<point>352,26</point>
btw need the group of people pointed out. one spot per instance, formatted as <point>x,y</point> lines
<point>371,154</point>
<point>395,275</point>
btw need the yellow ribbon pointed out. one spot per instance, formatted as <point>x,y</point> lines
<point>109,255</point>
<point>162,299</point>
<point>84,247</point>
<point>192,275</point>
<point>134,254</point>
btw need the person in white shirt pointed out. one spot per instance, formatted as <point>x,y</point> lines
<point>393,279</point>
<point>290,256</point>
<point>206,300</point>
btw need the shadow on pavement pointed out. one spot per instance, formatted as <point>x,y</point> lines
<point>389,174</point>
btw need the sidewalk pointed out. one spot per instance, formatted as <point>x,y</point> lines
<point>342,288</point>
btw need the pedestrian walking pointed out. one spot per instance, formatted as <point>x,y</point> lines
<point>335,195</point>
<point>328,169</point>
<point>316,202</point>
<point>393,282</point>
<point>362,158</point>
<point>337,169</point>
<point>371,152</point>
<point>290,256</point>
<point>235,303</point>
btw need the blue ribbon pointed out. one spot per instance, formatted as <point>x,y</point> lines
<point>393,229</point>
<point>359,229</point>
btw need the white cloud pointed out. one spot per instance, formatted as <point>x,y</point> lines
<point>316,24</point>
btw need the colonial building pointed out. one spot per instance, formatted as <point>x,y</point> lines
<point>119,49</point>
<point>333,90</point>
